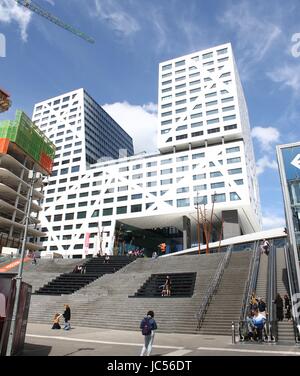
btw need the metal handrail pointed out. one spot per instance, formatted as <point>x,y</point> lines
<point>271,293</point>
<point>295,315</point>
<point>213,286</point>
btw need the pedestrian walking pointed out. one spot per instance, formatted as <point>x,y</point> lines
<point>148,326</point>
<point>166,287</point>
<point>265,247</point>
<point>67,317</point>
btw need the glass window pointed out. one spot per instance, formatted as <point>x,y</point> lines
<point>230,117</point>
<point>229,127</point>
<point>199,176</point>
<point>198,155</point>
<point>212,121</point>
<point>121,209</point>
<point>229,99</point>
<point>151,173</point>
<point>182,168</point>
<point>75,169</point>
<point>122,198</point>
<point>107,211</point>
<point>239,182</point>
<point>84,194</point>
<point>222,51</point>
<point>136,167</point>
<point>221,197</point>
<point>201,187</point>
<point>214,130</point>
<point>136,196</point>
<point>217,185</point>
<point>93,224</point>
<point>72,205</point>
<point>83,203</point>
<point>216,174</point>
<point>212,112</point>
<point>108,200</point>
<point>235,171</point>
<point>234,160</point>
<point>151,164</point>
<point>69,216</point>
<point>136,208</point>
<point>166,171</point>
<point>179,63</point>
<point>64,171</point>
<point>81,214</point>
<point>200,200</point>
<point>233,149</point>
<point>183,202</point>
<point>228,108</point>
<point>182,190</point>
<point>166,67</point>
<point>197,124</point>
<point>166,181</point>
<point>151,183</point>
<point>137,176</point>
<point>234,196</point>
<point>106,223</point>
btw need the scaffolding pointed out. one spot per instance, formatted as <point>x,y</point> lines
<point>25,134</point>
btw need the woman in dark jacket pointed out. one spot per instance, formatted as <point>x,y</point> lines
<point>67,317</point>
<point>279,307</point>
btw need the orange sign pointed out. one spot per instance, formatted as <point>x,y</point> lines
<point>12,265</point>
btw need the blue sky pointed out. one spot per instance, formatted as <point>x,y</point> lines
<point>132,36</point>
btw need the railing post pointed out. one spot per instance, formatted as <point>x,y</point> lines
<point>233,332</point>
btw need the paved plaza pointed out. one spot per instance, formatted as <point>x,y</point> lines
<point>41,340</point>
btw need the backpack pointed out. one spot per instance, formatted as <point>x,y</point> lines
<point>146,327</point>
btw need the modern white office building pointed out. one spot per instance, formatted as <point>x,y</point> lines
<point>205,156</point>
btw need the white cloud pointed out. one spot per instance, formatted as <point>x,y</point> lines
<point>263,163</point>
<point>265,136</point>
<point>288,75</point>
<point>120,21</point>
<point>140,122</point>
<point>10,11</point>
<point>271,220</point>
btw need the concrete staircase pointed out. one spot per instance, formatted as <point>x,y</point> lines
<point>285,328</point>
<point>44,271</point>
<point>94,268</point>
<point>104,303</point>
<point>182,285</point>
<point>225,306</point>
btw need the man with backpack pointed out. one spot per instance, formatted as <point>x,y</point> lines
<point>148,325</point>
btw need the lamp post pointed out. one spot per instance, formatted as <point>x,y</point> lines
<point>33,176</point>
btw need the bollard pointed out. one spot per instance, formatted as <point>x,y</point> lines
<point>233,332</point>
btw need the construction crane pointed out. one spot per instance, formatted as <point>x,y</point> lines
<point>5,102</point>
<point>50,17</point>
